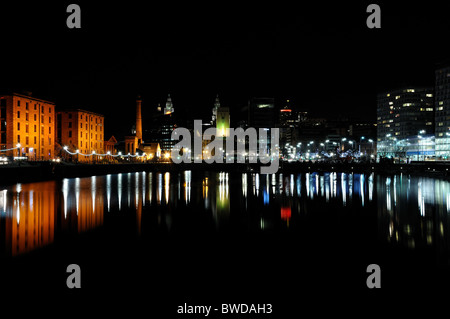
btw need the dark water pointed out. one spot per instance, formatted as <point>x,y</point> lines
<point>209,237</point>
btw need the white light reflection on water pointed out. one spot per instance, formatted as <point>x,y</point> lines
<point>65,191</point>
<point>119,190</point>
<point>108,191</point>
<point>244,185</point>
<point>159,188</point>
<point>350,186</point>
<point>322,186</point>
<point>18,190</point>
<point>344,188</point>
<point>274,183</point>
<point>307,184</point>
<point>187,186</point>
<point>388,194</point>
<point>150,187</point>
<point>93,190</point>
<point>77,193</point>
<point>129,189</point>
<point>144,187</point>
<point>167,186</point>
<point>361,188</point>
<point>136,189</point>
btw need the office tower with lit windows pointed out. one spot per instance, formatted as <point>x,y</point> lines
<point>404,117</point>
<point>442,110</point>
<point>81,130</point>
<point>27,126</point>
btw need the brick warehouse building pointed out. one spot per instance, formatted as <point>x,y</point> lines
<point>27,122</point>
<point>81,130</point>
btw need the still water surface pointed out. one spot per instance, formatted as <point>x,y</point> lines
<point>403,211</point>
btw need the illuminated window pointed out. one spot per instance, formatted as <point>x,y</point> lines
<point>407,104</point>
<point>397,97</point>
<point>410,90</point>
<point>440,108</point>
<point>441,102</point>
<point>388,95</point>
<point>429,109</point>
<point>429,95</point>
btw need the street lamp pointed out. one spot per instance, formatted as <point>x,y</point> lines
<point>18,149</point>
<point>360,139</point>
<point>371,146</point>
<point>419,146</point>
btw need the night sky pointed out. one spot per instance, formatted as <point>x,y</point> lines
<point>322,56</point>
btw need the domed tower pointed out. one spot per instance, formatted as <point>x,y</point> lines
<point>169,106</point>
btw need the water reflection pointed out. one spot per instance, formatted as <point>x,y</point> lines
<point>411,211</point>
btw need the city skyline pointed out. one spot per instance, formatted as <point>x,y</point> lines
<point>320,57</point>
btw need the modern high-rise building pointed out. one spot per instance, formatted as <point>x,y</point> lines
<point>27,126</point>
<point>403,116</point>
<point>81,130</point>
<point>442,110</point>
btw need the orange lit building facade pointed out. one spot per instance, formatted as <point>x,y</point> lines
<point>28,122</point>
<point>81,130</point>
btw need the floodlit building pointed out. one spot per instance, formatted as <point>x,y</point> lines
<point>27,126</point>
<point>81,131</point>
